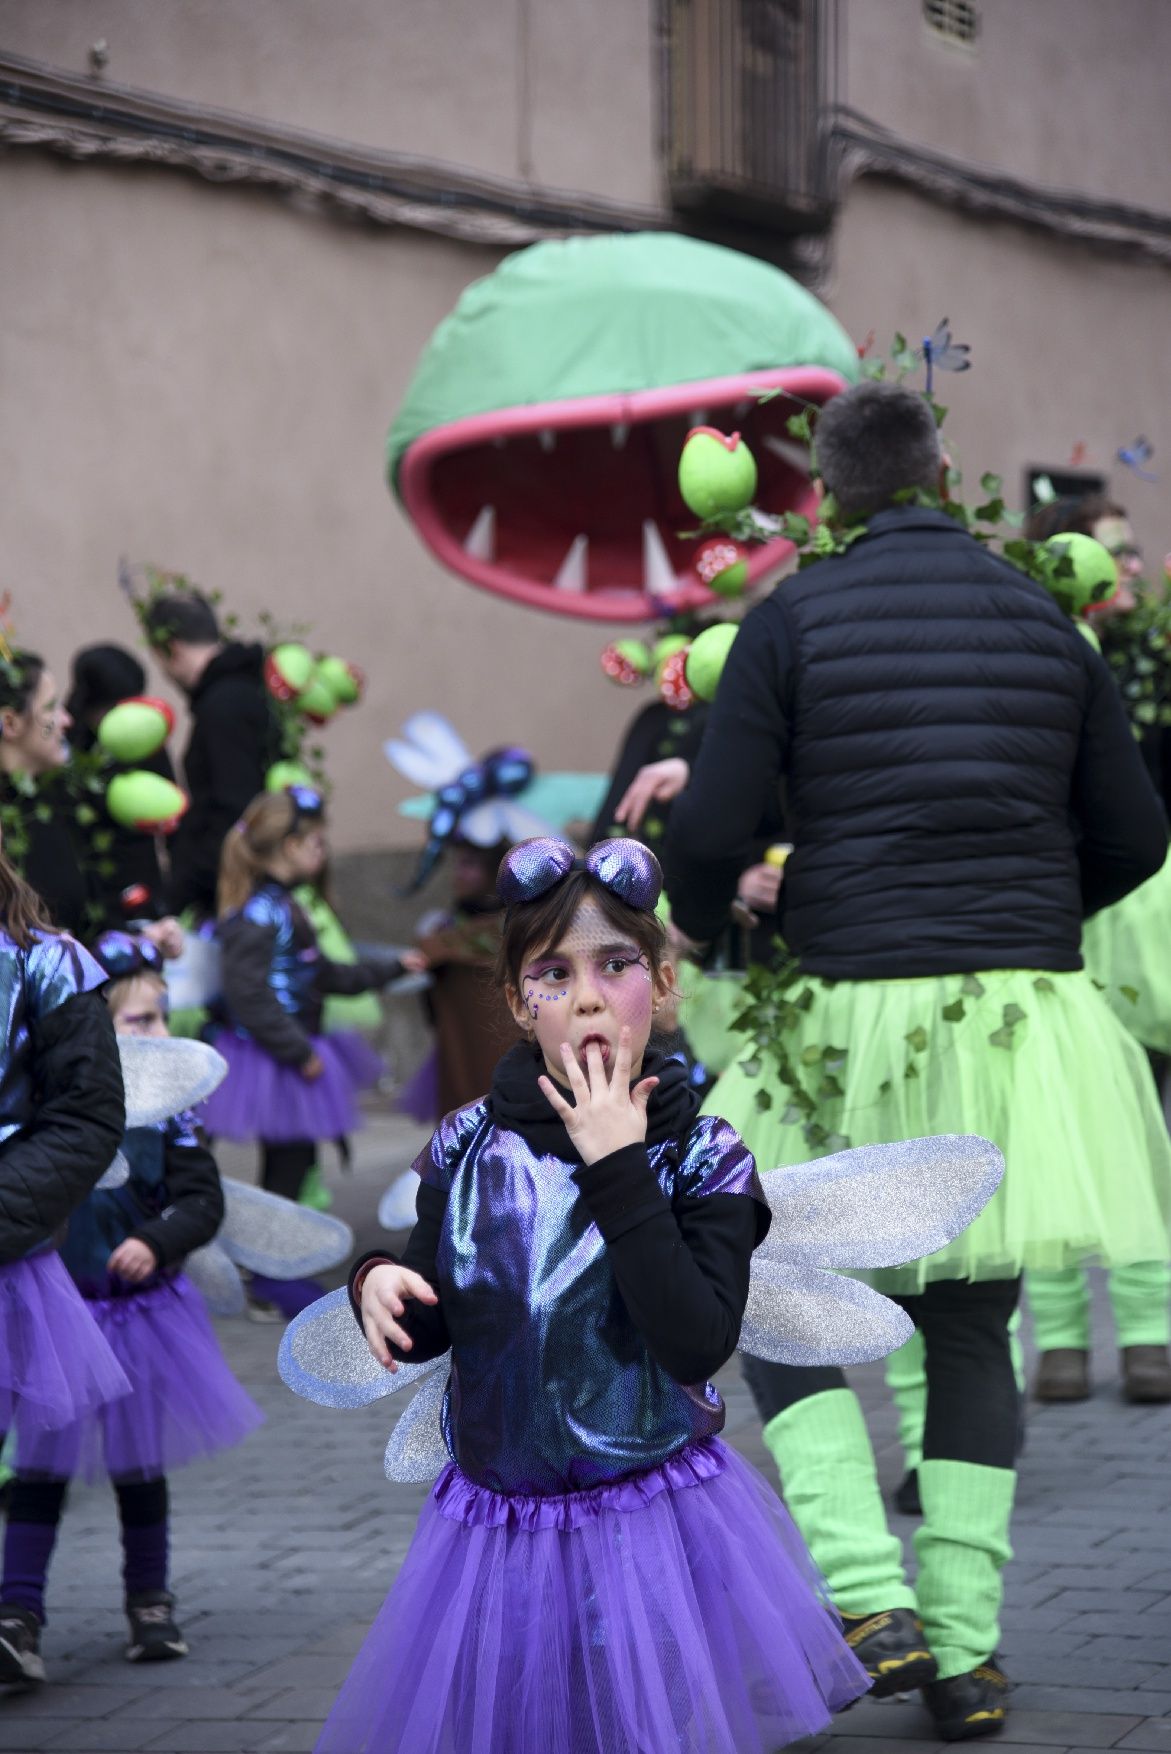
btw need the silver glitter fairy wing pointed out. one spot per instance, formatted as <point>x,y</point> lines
<point>877,1206</point>
<point>214,1273</point>
<point>396,1209</point>
<point>116,1176</point>
<point>416,1451</point>
<point>802,1315</point>
<point>164,1076</point>
<point>323,1358</point>
<point>880,1205</point>
<point>277,1237</point>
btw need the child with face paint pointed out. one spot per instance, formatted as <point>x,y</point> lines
<point>595,1569</point>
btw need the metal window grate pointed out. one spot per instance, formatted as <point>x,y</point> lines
<point>748,87</point>
<point>957,20</point>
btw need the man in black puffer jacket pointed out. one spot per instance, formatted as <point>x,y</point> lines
<point>234,737</point>
<point>961,786</point>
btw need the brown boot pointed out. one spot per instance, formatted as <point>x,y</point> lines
<point>1064,1374</point>
<point>1146,1374</point>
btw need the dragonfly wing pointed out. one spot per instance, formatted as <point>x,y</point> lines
<point>324,1358</point>
<point>880,1205</point>
<point>801,1315</point>
<point>416,1451</point>
<point>162,1077</point>
<point>277,1237</point>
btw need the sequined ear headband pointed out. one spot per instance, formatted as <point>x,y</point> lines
<point>625,867</point>
<point>124,954</point>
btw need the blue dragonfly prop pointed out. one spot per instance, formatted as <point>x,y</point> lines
<point>941,353</point>
<point>1136,455</point>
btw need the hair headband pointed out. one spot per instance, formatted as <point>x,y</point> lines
<point>123,954</point>
<point>625,867</point>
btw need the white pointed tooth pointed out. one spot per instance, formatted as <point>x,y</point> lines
<point>547,439</point>
<point>571,574</point>
<point>789,451</point>
<point>658,575</point>
<point>619,433</point>
<point>480,541</point>
<point>698,417</point>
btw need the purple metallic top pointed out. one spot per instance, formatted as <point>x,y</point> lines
<point>34,982</point>
<point>553,1389</point>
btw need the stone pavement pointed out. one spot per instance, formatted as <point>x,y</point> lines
<point>284,1549</point>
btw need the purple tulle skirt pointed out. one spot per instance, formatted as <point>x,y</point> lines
<point>419,1096</point>
<point>55,1365</point>
<point>261,1099</point>
<point>676,1611</point>
<point>183,1402</point>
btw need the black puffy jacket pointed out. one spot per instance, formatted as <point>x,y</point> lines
<point>76,1125</point>
<point>955,767</point>
<point>234,741</point>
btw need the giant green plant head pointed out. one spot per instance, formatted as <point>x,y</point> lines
<point>536,448</point>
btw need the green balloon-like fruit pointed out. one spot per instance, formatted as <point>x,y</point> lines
<point>287,773</point>
<point>707,657</point>
<point>717,473</point>
<point>136,729</point>
<point>317,701</point>
<point>145,801</point>
<point>635,653</point>
<point>288,670</point>
<point>343,680</point>
<point>1094,578</point>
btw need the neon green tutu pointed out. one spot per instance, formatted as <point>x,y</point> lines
<point>1128,948</point>
<point>706,1010</point>
<point>342,1010</point>
<point>1035,1061</point>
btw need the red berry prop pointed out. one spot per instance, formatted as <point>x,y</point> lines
<point>626,662</point>
<point>722,564</point>
<point>673,688</point>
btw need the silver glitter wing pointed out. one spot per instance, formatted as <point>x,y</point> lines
<point>802,1315</point>
<point>880,1205</point>
<point>277,1237</point>
<point>323,1358</point>
<point>416,1451</point>
<point>162,1077</point>
<point>116,1176</point>
<point>214,1273</point>
<point>396,1209</point>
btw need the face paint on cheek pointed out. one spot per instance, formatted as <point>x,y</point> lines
<point>535,991</point>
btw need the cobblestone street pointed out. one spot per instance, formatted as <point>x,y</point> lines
<point>284,1549</point>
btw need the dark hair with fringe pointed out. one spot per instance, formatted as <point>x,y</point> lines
<point>541,924</point>
<point>1071,516</point>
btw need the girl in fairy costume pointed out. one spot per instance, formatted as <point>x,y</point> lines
<point>595,1569</point>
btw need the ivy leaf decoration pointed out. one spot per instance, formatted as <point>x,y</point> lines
<point>954,1013</point>
<point>971,987</point>
<point>1043,984</point>
<point>1001,1038</point>
<point>763,1101</point>
<point>1130,993</point>
<point>917,1040</point>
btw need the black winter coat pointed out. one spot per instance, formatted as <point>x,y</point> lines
<point>955,767</point>
<point>50,1165</point>
<point>234,741</point>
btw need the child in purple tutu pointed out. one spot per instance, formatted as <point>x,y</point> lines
<point>595,1569</point>
<point>124,1248</point>
<point>288,1085</point>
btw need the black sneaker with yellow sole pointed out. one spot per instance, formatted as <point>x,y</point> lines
<point>970,1705</point>
<point>891,1648</point>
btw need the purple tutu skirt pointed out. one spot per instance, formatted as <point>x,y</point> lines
<point>261,1099</point>
<point>183,1402</point>
<point>419,1096</point>
<point>675,1611</point>
<point>55,1365</point>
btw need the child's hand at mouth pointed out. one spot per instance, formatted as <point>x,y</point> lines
<point>603,1117</point>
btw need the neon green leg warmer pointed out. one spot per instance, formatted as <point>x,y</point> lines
<point>906,1378</point>
<point>1060,1303</point>
<point>962,1549</point>
<point>1139,1296</point>
<point>823,1455</point>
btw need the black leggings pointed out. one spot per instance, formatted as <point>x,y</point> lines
<point>284,1167</point>
<point>33,1498</point>
<point>972,1395</point>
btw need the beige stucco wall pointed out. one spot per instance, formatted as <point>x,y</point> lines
<point>556,94</point>
<point>1068,344</point>
<point>203,376</point>
<point>1068,93</point>
<point>204,379</point>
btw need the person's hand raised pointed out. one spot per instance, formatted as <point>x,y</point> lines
<point>386,1290</point>
<point>603,1117</point>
